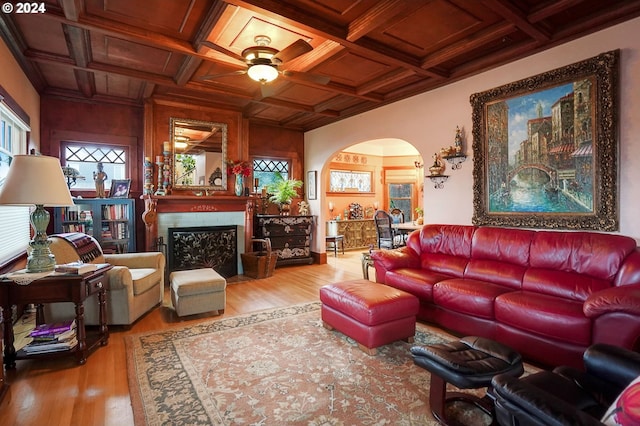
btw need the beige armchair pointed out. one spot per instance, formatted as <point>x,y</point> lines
<point>136,285</point>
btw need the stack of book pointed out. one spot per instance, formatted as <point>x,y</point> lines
<point>76,268</point>
<point>55,337</point>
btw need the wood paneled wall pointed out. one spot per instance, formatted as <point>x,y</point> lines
<point>144,129</point>
<point>99,122</point>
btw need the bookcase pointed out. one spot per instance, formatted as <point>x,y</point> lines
<point>111,221</point>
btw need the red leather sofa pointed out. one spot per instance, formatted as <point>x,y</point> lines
<point>547,294</point>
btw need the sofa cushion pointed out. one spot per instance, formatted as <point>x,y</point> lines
<point>145,279</point>
<point>548,316</point>
<point>470,297</point>
<point>446,248</point>
<point>568,285</point>
<point>499,255</point>
<point>418,282</point>
<point>587,253</point>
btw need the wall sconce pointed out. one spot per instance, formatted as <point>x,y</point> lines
<point>331,207</point>
<point>376,205</point>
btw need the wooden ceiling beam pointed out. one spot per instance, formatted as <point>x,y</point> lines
<point>468,44</point>
<point>381,13</point>
<point>165,81</point>
<point>367,48</point>
<point>511,13</point>
<point>131,34</point>
<point>16,45</point>
<point>72,9</point>
<point>551,8</point>
<point>384,80</point>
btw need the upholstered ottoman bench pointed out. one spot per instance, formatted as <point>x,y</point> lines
<point>198,290</point>
<point>372,314</point>
<point>469,363</point>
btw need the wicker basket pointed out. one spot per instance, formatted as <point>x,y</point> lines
<point>259,264</point>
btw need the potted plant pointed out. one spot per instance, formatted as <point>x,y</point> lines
<point>283,191</point>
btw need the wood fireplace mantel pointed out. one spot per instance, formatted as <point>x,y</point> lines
<point>193,204</point>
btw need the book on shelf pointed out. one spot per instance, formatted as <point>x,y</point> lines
<point>53,328</point>
<point>76,268</point>
<point>40,347</point>
<point>54,337</point>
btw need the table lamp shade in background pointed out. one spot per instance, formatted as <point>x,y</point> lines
<point>37,180</point>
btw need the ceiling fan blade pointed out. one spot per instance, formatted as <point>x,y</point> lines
<point>312,78</point>
<point>224,51</point>
<point>226,74</point>
<point>292,51</point>
<point>268,90</point>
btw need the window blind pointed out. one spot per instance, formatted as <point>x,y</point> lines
<point>14,232</point>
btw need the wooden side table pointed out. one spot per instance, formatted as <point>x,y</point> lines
<point>51,289</point>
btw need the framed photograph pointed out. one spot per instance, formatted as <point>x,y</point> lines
<point>545,149</point>
<point>120,188</point>
<point>312,187</point>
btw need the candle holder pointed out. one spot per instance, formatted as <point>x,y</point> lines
<point>166,183</point>
<point>148,177</point>
<point>160,190</point>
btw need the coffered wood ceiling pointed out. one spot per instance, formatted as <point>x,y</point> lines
<point>373,51</point>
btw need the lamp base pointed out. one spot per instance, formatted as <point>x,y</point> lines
<point>40,259</point>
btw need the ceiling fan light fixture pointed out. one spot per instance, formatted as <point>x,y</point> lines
<point>262,73</point>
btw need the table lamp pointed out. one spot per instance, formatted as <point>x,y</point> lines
<point>37,180</point>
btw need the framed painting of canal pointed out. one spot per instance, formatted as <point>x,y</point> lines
<point>545,149</point>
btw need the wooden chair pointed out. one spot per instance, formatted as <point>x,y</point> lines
<point>388,237</point>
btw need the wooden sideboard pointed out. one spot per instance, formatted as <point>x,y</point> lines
<point>358,233</point>
<point>290,236</point>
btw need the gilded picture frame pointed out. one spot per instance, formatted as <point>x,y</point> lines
<point>545,149</point>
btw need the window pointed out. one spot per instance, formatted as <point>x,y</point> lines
<point>400,197</point>
<point>15,229</point>
<point>266,170</point>
<point>84,157</point>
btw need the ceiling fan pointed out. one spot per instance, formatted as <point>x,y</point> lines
<point>263,62</point>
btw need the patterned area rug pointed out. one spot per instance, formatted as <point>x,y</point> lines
<point>276,367</point>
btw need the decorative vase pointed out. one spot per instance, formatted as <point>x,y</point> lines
<point>239,188</point>
<point>285,208</point>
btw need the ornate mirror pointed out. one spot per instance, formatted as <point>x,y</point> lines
<point>199,154</point>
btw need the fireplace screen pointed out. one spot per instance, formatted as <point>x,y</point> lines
<point>204,247</point>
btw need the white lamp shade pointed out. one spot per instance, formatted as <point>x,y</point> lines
<point>35,179</point>
<point>262,73</point>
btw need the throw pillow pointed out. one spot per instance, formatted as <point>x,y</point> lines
<point>625,410</point>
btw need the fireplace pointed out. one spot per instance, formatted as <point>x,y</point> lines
<point>204,247</point>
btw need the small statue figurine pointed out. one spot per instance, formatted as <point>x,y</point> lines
<point>436,168</point>
<point>303,208</point>
<point>458,141</point>
<point>99,177</point>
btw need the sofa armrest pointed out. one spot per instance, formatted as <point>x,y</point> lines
<point>154,260</point>
<point>403,257</point>
<point>532,405</point>
<point>119,278</point>
<point>612,364</point>
<point>624,298</point>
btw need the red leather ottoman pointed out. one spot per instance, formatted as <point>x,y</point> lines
<point>372,314</point>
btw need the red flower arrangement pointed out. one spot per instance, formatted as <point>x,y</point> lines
<point>240,168</point>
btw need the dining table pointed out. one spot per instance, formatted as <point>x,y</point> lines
<point>405,228</point>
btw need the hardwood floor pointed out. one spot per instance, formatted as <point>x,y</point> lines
<point>59,392</point>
